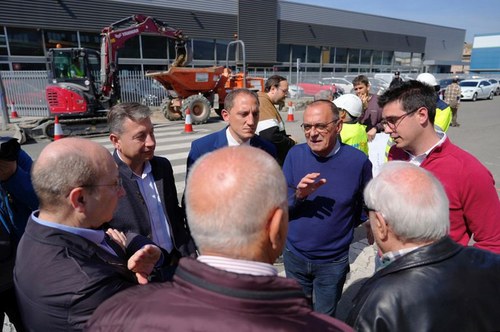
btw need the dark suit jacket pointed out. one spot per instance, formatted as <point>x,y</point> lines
<point>131,214</point>
<point>61,278</point>
<point>218,140</point>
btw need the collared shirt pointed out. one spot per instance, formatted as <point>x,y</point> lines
<point>93,235</point>
<point>335,149</point>
<point>158,219</point>
<point>232,142</point>
<point>418,160</point>
<point>238,265</point>
<point>391,256</point>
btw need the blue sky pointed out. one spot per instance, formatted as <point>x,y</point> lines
<point>475,16</point>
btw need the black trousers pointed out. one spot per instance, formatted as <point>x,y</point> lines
<point>8,305</point>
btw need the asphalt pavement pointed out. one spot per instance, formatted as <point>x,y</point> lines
<point>477,134</point>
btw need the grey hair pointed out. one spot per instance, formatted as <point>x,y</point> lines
<point>237,199</point>
<point>411,200</point>
<point>118,113</point>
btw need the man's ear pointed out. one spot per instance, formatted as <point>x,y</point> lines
<point>380,227</point>
<point>225,115</point>
<point>423,114</point>
<point>277,227</point>
<point>77,198</point>
<point>115,140</point>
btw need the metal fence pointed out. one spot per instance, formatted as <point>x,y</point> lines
<point>26,90</point>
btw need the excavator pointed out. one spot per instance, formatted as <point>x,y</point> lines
<point>75,96</point>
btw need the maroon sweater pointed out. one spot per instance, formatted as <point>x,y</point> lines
<point>470,187</point>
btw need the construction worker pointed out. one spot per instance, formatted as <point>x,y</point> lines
<point>443,111</point>
<point>353,133</point>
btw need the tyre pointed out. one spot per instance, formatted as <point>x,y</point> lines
<point>491,95</point>
<point>474,97</point>
<point>168,110</point>
<point>199,107</point>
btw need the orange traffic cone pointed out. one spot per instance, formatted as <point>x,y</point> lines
<point>58,132</point>
<point>188,127</point>
<point>13,112</point>
<point>290,117</point>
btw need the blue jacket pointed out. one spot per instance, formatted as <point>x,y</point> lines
<point>218,140</point>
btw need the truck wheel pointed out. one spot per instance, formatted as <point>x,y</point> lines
<point>474,97</point>
<point>491,95</point>
<point>199,107</point>
<point>168,111</point>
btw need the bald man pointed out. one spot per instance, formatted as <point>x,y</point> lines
<point>65,267</point>
<point>238,217</point>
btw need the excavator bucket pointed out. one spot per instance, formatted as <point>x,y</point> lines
<point>182,54</point>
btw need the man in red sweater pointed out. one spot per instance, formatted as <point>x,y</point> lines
<point>408,116</point>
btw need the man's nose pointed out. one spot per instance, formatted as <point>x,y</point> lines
<point>150,140</point>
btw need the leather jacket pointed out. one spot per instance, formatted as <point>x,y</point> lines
<point>439,287</point>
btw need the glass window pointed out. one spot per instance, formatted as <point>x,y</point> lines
<point>402,58</point>
<point>298,51</point>
<point>25,41</point>
<point>340,55</point>
<point>387,58</point>
<point>130,49</point>
<point>325,54</point>
<point>313,54</point>
<point>283,53</point>
<point>366,56</point>
<point>55,38</point>
<point>221,49</point>
<point>29,66</point>
<point>354,56</point>
<point>377,57</point>
<point>154,47</point>
<point>203,49</point>
<point>416,60</point>
<point>4,66</point>
<point>90,40</point>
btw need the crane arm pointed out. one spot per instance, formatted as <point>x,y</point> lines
<point>115,36</point>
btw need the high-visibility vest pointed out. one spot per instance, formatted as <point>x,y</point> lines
<point>443,116</point>
<point>354,134</point>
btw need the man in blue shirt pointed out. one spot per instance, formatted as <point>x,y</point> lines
<point>326,180</point>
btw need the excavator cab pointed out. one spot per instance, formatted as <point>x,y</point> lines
<point>73,90</point>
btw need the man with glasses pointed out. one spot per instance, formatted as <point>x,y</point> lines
<point>271,126</point>
<point>325,194</point>
<point>66,265</point>
<point>429,282</point>
<point>408,116</point>
<point>151,207</point>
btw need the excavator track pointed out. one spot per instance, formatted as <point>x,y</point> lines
<point>88,127</point>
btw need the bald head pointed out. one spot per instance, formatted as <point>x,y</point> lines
<point>230,195</point>
<point>412,201</point>
<point>65,164</point>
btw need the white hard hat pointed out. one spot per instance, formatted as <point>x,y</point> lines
<point>428,79</point>
<point>351,103</point>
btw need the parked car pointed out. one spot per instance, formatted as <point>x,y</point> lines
<point>295,91</point>
<point>476,89</point>
<point>147,92</point>
<point>496,86</point>
<point>339,82</point>
<point>311,88</point>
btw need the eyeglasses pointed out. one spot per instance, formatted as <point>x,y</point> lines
<point>282,90</point>
<point>320,127</point>
<point>394,121</point>
<point>118,184</point>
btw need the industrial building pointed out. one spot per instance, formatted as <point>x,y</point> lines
<point>279,35</point>
<point>485,54</point>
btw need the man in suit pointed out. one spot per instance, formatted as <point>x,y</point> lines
<point>151,207</point>
<point>64,267</point>
<point>241,112</point>
<point>232,285</point>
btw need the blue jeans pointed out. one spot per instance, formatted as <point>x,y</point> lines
<point>325,280</point>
